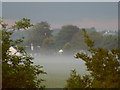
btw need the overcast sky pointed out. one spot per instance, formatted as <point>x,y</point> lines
<point>101,15</point>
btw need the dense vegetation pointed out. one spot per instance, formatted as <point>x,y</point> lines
<point>69,38</point>
<point>18,70</point>
<point>103,65</point>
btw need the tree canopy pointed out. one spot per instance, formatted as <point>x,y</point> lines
<point>18,71</point>
<point>41,30</point>
<point>66,34</point>
<point>102,64</point>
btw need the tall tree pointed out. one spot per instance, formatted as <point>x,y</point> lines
<point>66,34</point>
<point>42,31</point>
<point>103,65</point>
<point>77,81</point>
<point>18,70</point>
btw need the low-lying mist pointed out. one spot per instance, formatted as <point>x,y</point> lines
<point>58,68</point>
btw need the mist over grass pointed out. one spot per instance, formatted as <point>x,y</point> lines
<point>58,68</point>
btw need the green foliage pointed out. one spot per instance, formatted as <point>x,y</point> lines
<point>48,46</point>
<point>77,42</point>
<point>107,42</point>
<point>18,71</point>
<point>48,43</point>
<point>65,35</point>
<point>22,24</point>
<point>41,30</point>
<point>89,42</point>
<point>103,65</point>
<point>110,42</point>
<point>77,81</point>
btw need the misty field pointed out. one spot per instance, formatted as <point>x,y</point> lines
<point>58,69</point>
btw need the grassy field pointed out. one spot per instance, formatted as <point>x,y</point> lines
<point>58,69</point>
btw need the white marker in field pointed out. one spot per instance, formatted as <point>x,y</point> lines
<point>32,47</point>
<point>60,51</point>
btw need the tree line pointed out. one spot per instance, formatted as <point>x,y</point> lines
<point>69,38</point>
